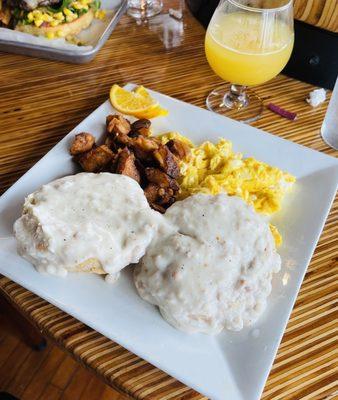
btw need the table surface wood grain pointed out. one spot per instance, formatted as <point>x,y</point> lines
<point>41,101</point>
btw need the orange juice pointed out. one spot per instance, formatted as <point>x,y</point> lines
<point>246,49</point>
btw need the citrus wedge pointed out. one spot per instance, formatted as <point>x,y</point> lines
<point>138,103</point>
<point>131,103</point>
<point>156,111</point>
<point>142,91</point>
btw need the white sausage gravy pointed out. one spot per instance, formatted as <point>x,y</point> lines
<point>214,269</point>
<point>86,222</point>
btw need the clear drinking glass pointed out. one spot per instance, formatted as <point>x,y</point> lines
<point>330,125</point>
<point>247,43</point>
<point>144,9</point>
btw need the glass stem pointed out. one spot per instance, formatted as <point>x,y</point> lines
<point>236,98</point>
<point>144,9</point>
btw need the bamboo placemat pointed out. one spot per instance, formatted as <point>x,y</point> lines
<point>42,101</point>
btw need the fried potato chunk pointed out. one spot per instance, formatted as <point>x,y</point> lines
<point>82,142</point>
<point>150,192</point>
<point>167,161</point>
<point>5,14</point>
<point>160,178</point>
<point>143,147</point>
<point>126,165</point>
<point>141,127</point>
<point>158,197</point>
<point>180,149</point>
<point>166,197</point>
<point>96,159</point>
<point>117,124</point>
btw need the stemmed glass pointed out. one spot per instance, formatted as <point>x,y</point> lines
<point>247,43</point>
<point>144,9</point>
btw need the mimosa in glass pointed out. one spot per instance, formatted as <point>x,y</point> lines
<point>246,46</point>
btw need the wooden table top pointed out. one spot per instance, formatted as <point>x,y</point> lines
<point>41,101</point>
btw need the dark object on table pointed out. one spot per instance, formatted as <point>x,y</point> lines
<point>203,10</point>
<point>29,332</point>
<point>315,55</point>
<point>7,396</point>
<point>282,112</point>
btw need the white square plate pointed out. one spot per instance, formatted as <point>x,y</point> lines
<point>232,365</point>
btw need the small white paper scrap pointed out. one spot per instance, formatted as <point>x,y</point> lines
<point>316,97</point>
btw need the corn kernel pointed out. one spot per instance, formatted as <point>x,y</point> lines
<point>30,17</point>
<point>38,22</point>
<point>85,2</point>
<point>37,13</point>
<point>59,16</point>
<point>76,5</point>
<point>60,33</point>
<point>54,23</point>
<point>100,14</point>
<point>70,18</point>
<point>67,12</point>
<point>50,35</point>
<point>47,18</point>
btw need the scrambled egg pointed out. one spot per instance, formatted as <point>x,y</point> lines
<point>214,168</point>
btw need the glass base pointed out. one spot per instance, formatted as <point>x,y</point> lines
<point>330,138</point>
<point>244,108</point>
<point>144,9</point>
